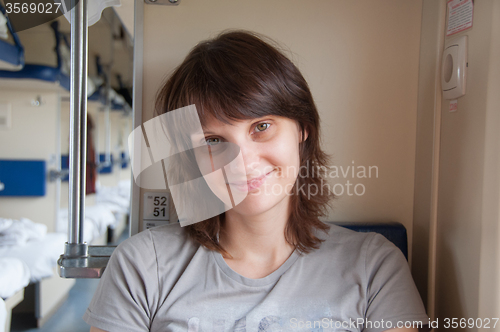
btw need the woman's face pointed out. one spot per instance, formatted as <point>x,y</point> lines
<point>264,177</point>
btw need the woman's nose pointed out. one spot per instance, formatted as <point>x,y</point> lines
<point>250,162</point>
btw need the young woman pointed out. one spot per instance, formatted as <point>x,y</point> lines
<point>267,263</point>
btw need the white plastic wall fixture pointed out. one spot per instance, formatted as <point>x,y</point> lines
<point>454,68</point>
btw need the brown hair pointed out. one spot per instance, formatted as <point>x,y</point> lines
<point>237,75</point>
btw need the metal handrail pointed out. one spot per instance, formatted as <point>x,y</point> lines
<point>79,260</point>
<point>78,116</point>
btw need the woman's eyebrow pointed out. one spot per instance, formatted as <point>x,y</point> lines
<point>206,131</point>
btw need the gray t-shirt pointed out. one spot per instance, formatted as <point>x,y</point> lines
<point>160,280</point>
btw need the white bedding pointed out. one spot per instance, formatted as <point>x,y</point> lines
<point>39,255</point>
<point>18,232</point>
<point>117,203</point>
<point>116,199</point>
<point>97,219</point>
<point>89,231</point>
<point>117,211</point>
<point>14,276</point>
<point>118,195</point>
<point>111,204</point>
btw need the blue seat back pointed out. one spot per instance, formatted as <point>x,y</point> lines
<point>393,231</point>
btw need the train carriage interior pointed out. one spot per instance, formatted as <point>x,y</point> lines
<point>408,98</point>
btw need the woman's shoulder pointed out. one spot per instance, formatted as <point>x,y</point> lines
<point>163,240</point>
<point>348,243</point>
<point>338,235</point>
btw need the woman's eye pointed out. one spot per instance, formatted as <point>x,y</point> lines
<point>213,141</point>
<point>262,126</point>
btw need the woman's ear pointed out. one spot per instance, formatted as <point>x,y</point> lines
<point>304,134</point>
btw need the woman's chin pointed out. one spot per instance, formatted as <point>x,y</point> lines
<point>257,203</point>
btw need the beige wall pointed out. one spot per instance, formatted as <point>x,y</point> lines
<point>33,136</point>
<point>39,43</point>
<point>361,60</point>
<point>489,273</point>
<point>427,147</point>
<point>463,264</point>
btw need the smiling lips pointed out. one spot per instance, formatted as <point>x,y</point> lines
<point>251,184</point>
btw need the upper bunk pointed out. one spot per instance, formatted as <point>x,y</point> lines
<point>44,55</point>
<point>11,50</point>
<point>49,64</point>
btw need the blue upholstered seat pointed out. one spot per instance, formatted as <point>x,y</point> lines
<point>393,231</point>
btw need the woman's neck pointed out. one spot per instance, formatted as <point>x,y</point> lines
<point>256,243</point>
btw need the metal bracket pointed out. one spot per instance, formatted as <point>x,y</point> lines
<point>83,261</point>
<point>57,174</point>
<point>162,2</point>
<point>104,164</point>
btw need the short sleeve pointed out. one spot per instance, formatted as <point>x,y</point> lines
<point>127,295</point>
<point>393,298</point>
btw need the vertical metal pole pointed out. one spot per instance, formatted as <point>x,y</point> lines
<point>79,260</point>
<point>107,122</point>
<point>135,194</point>
<point>78,117</point>
<point>108,99</point>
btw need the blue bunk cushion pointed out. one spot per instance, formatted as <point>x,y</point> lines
<point>11,54</point>
<point>118,104</point>
<point>39,72</point>
<point>393,231</point>
<point>124,160</point>
<point>107,169</point>
<point>97,96</point>
<point>23,177</point>
<point>65,166</point>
